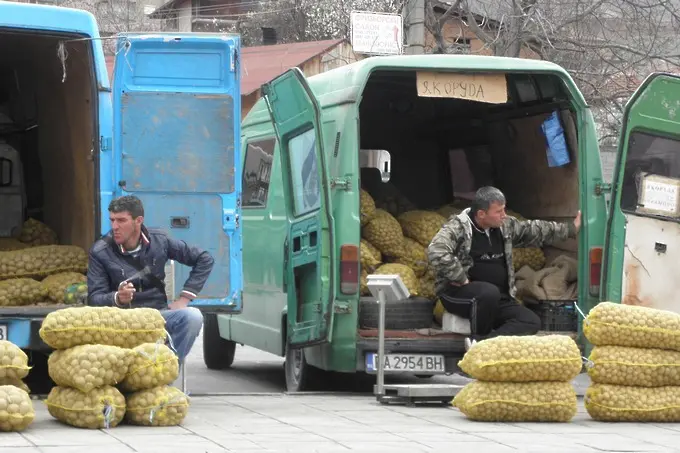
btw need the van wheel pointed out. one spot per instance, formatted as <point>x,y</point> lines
<point>299,374</point>
<point>218,353</point>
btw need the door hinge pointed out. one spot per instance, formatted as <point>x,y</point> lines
<point>602,188</point>
<point>342,308</point>
<point>234,59</point>
<point>341,183</point>
<point>104,143</point>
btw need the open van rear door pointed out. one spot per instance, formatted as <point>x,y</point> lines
<point>176,145</point>
<point>309,249</point>
<point>643,230</point>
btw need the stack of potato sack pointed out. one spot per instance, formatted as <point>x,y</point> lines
<point>521,379</point>
<point>34,270</point>
<point>634,365</point>
<point>16,407</point>
<point>111,364</point>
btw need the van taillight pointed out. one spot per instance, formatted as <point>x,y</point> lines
<point>595,270</point>
<point>349,269</point>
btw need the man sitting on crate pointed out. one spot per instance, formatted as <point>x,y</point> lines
<point>472,258</point>
<point>118,275</point>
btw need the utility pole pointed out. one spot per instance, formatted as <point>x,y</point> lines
<point>415,18</point>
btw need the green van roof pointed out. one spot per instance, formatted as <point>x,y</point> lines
<point>344,84</point>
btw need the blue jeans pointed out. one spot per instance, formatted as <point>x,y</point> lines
<point>183,325</point>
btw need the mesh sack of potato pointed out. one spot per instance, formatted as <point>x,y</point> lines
<point>363,284</point>
<point>612,324</point>
<point>408,277</point>
<point>9,244</point>
<point>16,383</point>
<point>529,256</point>
<point>426,287</point>
<point>152,365</point>
<point>16,409</point>
<point>619,403</point>
<point>56,285</point>
<point>368,257</point>
<point>366,206</point>
<point>389,198</point>
<point>89,366</point>
<point>36,233</point>
<point>21,291</point>
<point>449,210</point>
<point>421,226</point>
<point>413,256</point>
<point>127,328</point>
<point>384,232</point>
<point>622,365</point>
<point>523,359</point>
<point>517,401</point>
<point>158,406</point>
<point>13,361</point>
<point>101,408</point>
<point>76,293</point>
<point>39,262</point>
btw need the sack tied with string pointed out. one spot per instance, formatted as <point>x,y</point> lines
<point>158,406</point>
<point>623,365</point>
<point>100,408</point>
<point>16,409</point>
<point>13,361</point>
<point>126,328</point>
<point>611,324</point>
<point>619,403</point>
<point>524,359</point>
<point>517,401</point>
<point>152,365</point>
<point>89,366</point>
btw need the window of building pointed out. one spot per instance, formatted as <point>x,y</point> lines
<point>257,172</point>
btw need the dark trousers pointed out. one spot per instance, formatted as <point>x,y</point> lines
<point>490,312</point>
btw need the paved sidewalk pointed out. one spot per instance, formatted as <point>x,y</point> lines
<point>333,423</point>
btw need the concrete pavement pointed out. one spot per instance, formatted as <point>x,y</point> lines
<point>322,423</point>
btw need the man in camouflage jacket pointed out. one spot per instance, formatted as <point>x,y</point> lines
<point>472,259</point>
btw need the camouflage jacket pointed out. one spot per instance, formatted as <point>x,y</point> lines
<point>449,251</point>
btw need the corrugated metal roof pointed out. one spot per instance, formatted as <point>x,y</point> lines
<point>260,64</point>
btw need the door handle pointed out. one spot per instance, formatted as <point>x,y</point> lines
<point>285,265</point>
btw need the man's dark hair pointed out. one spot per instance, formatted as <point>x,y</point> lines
<point>485,197</point>
<point>127,203</point>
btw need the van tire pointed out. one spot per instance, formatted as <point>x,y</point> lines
<point>300,375</point>
<point>412,313</point>
<point>218,353</point>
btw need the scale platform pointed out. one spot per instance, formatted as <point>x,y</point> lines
<point>412,394</point>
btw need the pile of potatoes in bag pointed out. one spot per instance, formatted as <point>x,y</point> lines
<point>112,365</point>
<point>35,270</point>
<point>16,407</point>
<point>521,379</point>
<point>394,240</point>
<point>634,365</point>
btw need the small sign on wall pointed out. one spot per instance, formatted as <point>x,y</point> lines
<point>490,88</point>
<point>659,196</point>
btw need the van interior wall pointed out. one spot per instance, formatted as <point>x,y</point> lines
<point>507,151</point>
<point>62,165</point>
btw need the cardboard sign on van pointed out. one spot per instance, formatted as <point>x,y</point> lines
<point>491,88</point>
<point>659,196</point>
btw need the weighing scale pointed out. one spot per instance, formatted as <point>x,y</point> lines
<point>388,288</point>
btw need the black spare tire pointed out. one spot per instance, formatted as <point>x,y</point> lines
<point>405,314</point>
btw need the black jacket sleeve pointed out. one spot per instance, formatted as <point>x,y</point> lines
<point>199,260</point>
<point>98,283</point>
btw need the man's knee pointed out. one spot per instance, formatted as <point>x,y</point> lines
<point>191,320</point>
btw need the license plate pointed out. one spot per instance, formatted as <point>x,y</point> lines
<point>407,363</point>
<point>3,332</point>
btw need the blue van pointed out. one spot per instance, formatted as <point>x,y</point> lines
<point>166,128</point>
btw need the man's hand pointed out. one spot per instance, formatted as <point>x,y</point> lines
<point>577,221</point>
<point>126,292</point>
<point>182,302</point>
<point>458,284</point>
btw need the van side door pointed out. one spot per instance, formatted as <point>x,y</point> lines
<point>643,229</point>
<point>176,145</point>
<point>309,262</point>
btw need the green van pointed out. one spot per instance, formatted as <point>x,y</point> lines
<point>416,132</point>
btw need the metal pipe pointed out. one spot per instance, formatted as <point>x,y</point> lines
<point>381,343</point>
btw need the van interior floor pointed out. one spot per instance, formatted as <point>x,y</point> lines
<point>438,151</point>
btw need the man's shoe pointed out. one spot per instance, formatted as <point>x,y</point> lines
<point>469,342</point>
